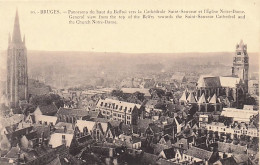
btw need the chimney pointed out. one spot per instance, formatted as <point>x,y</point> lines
<point>65,129</point>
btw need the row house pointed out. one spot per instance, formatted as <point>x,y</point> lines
<point>119,110</point>
<point>240,115</point>
<point>241,129</point>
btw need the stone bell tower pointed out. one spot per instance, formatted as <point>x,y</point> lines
<point>241,63</point>
<point>17,78</point>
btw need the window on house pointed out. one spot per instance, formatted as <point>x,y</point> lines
<point>119,115</point>
<point>105,104</point>
<point>116,106</point>
<point>114,114</point>
<point>101,104</point>
<point>121,107</point>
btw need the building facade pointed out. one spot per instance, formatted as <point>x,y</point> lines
<point>119,110</point>
<point>17,78</point>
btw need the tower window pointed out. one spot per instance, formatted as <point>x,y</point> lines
<point>238,53</point>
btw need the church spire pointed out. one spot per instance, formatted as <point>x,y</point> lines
<point>16,32</point>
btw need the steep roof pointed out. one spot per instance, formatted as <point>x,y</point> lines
<point>50,109</point>
<point>56,139</point>
<point>169,153</point>
<point>213,99</point>
<point>199,153</point>
<point>72,112</point>
<point>191,98</point>
<point>208,81</point>
<point>229,81</point>
<point>231,148</point>
<point>82,123</point>
<point>202,99</point>
<point>184,96</point>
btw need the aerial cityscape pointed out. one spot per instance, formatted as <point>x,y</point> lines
<point>76,108</point>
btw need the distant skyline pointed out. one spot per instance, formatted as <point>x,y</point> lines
<point>53,33</point>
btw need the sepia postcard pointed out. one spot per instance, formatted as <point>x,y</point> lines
<point>158,82</point>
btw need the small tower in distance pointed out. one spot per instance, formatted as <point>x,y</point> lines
<point>241,63</point>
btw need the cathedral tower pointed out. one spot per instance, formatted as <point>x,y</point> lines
<point>241,63</point>
<point>17,78</point>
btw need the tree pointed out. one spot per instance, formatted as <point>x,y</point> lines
<point>47,100</point>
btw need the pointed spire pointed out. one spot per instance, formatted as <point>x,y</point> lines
<point>16,32</point>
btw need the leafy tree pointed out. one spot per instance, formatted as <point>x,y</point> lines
<point>47,100</point>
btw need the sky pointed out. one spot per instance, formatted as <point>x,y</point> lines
<point>53,33</point>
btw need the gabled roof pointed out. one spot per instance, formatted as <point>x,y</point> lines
<point>213,99</point>
<point>169,153</point>
<point>184,96</point>
<point>72,112</point>
<point>13,153</point>
<point>191,98</point>
<point>199,153</point>
<point>202,99</point>
<point>50,109</point>
<point>208,82</point>
<point>241,158</point>
<point>82,123</point>
<point>56,139</point>
<point>231,148</point>
<point>229,81</point>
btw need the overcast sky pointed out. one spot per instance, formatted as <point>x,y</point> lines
<point>52,32</point>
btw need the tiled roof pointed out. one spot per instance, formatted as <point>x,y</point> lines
<point>241,158</point>
<point>208,81</point>
<point>72,112</point>
<point>31,135</point>
<point>13,152</point>
<point>169,153</point>
<point>113,104</point>
<point>199,153</point>
<point>48,109</point>
<point>231,148</point>
<point>229,81</point>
